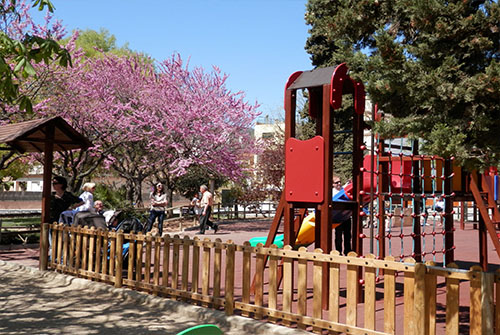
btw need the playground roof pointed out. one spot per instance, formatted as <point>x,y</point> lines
<point>313,78</point>
<point>31,136</point>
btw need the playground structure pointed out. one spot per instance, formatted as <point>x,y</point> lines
<point>400,186</point>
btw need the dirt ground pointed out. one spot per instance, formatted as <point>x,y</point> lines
<point>36,302</point>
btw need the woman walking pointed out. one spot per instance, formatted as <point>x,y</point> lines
<point>159,202</point>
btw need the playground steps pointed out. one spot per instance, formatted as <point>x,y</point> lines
<point>488,210</point>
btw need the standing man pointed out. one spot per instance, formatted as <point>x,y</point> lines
<point>344,229</point>
<point>206,204</point>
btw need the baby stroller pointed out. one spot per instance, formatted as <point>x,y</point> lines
<point>126,222</point>
<point>89,219</point>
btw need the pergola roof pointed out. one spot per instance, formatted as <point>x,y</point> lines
<point>44,135</point>
<point>31,136</point>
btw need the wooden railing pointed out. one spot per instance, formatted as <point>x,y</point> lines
<point>408,297</point>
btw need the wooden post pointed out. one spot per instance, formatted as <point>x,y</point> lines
<point>196,265</point>
<point>273,282</point>
<point>483,244</point>
<point>370,298</point>
<point>156,265</point>
<point>452,302</point>
<point>463,214</point>
<point>352,293</point>
<point>185,263</point>
<point>317,289</point>
<point>229,289</point>
<point>334,294</point>
<point>420,301</point>
<point>475,301</point>
<point>147,261</point>
<point>448,216</point>
<point>166,260</point>
<point>90,266</point>
<point>430,297</point>
<point>302,287</point>
<point>389,298</point>
<point>175,263</point>
<point>205,275</point>
<point>47,172</point>
<point>487,305</point>
<point>324,222</point>
<point>217,269</point>
<point>245,296</point>
<point>287,283</point>
<point>119,259</point>
<point>259,279</point>
<point>44,246</point>
<point>409,299</point>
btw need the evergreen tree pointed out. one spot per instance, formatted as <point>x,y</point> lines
<point>432,67</point>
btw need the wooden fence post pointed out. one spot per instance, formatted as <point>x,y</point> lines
<point>487,305</point>
<point>430,298</point>
<point>301,287</point>
<point>229,289</point>
<point>119,259</point>
<point>205,277</point>
<point>185,263</point>
<point>420,301</point>
<point>217,269</point>
<point>370,294</point>
<point>260,259</point>
<point>475,300</point>
<point>44,246</point>
<point>409,298</point>
<point>389,298</point>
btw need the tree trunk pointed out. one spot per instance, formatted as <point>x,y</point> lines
<point>138,193</point>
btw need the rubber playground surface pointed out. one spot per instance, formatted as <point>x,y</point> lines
<point>466,252</point>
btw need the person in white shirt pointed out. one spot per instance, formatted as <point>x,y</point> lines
<point>88,198</point>
<point>159,203</point>
<point>195,203</point>
<point>206,204</point>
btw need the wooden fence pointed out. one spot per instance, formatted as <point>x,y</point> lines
<point>398,297</point>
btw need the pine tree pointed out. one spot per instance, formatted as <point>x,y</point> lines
<point>432,66</point>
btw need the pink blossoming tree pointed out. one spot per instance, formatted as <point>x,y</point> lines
<point>145,120</point>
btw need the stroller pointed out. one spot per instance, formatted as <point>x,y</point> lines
<point>89,219</point>
<point>128,223</point>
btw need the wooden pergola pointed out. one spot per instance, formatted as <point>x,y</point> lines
<point>43,135</point>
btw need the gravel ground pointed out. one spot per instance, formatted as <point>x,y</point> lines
<point>42,302</point>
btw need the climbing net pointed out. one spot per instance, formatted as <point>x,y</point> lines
<point>409,203</point>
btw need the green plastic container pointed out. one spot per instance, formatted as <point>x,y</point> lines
<point>278,241</point>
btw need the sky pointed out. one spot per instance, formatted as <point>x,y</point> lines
<point>258,43</point>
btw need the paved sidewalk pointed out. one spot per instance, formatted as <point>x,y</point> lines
<point>36,302</point>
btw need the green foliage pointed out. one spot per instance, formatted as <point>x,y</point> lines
<point>189,184</point>
<point>11,168</point>
<point>432,67</point>
<point>22,54</point>
<point>95,43</point>
<point>113,197</point>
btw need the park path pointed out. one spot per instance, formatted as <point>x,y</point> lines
<point>36,302</point>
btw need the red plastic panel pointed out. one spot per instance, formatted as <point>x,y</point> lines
<point>304,170</point>
<point>359,98</point>
<point>338,78</point>
<point>400,177</point>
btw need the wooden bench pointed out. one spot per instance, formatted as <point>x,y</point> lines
<point>20,231</point>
